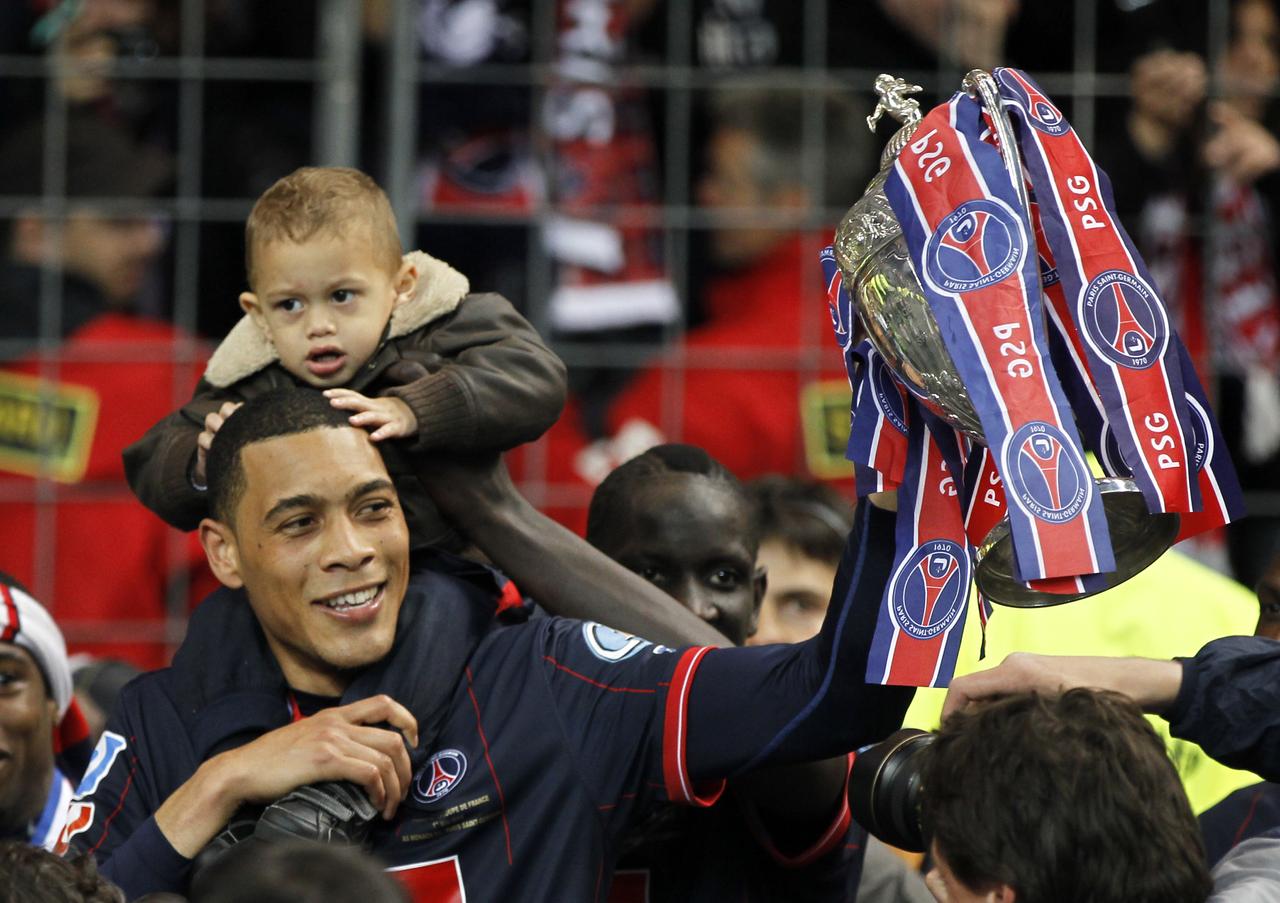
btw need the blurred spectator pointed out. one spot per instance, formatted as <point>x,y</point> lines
<point>295,872</point>
<point>80,380</point>
<point>43,738</point>
<point>1199,186</point>
<point>97,684</point>
<point>803,526</point>
<point>748,385</point>
<point>929,42</point>
<point>32,875</point>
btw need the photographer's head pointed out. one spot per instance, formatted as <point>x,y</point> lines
<point>307,521</point>
<point>1039,799</point>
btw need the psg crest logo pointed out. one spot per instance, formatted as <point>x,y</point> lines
<point>929,589</point>
<point>888,398</point>
<point>1041,113</point>
<point>978,244</point>
<point>1043,474</point>
<point>1123,320</point>
<point>441,774</point>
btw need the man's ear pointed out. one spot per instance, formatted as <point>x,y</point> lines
<point>250,304</point>
<point>1002,893</point>
<point>219,542</point>
<point>406,283</point>
<point>759,583</point>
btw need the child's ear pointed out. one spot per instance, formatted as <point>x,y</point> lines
<point>250,304</point>
<point>406,282</point>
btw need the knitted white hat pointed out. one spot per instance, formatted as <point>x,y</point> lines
<point>26,623</point>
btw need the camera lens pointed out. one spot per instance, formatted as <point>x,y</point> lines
<point>885,789</point>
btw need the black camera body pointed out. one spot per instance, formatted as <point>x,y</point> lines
<point>886,789</point>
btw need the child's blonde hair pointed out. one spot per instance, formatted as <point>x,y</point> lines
<point>322,198</point>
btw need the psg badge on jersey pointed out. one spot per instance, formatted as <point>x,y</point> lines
<point>1011,329</point>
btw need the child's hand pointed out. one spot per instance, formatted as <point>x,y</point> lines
<point>386,418</point>
<point>212,423</point>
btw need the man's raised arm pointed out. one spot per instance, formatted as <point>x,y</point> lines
<point>779,704</point>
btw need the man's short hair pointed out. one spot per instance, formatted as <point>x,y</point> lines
<point>805,515</point>
<point>326,199</point>
<point>1062,798</point>
<point>34,875</point>
<point>613,497</point>
<point>280,412</point>
<point>776,119</point>
<point>295,872</point>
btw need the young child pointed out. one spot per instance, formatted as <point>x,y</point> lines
<point>397,340</point>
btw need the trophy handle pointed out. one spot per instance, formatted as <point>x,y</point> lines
<point>980,85</point>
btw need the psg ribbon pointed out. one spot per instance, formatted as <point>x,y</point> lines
<point>917,635</point>
<point>962,222</point>
<point>1126,331</point>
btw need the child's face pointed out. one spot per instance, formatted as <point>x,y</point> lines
<point>324,302</point>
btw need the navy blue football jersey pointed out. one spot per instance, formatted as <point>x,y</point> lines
<point>555,738</point>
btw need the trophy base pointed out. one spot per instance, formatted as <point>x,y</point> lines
<point>1138,538</point>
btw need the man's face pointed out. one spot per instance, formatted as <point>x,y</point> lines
<point>796,597</point>
<point>324,302</point>
<point>685,534</point>
<point>320,545</point>
<point>27,716</point>
<point>115,254</point>
<point>731,189</point>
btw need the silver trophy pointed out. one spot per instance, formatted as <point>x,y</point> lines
<point>876,270</point>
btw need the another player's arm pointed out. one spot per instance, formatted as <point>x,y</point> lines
<point>1226,698</point>
<point>550,563</point>
<point>493,382</point>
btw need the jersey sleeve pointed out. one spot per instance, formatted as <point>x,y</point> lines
<point>1229,703</point>
<point>775,705</point>
<point>622,702</point>
<point>111,816</point>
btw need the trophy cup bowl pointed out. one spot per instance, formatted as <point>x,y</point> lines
<point>876,270</point>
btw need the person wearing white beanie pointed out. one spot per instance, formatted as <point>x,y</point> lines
<point>42,733</point>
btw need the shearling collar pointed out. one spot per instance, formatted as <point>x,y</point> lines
<point>247,349</point>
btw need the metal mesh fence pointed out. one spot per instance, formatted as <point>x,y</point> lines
<point>356,88</point>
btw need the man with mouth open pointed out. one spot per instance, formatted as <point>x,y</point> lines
<point>506,759</point>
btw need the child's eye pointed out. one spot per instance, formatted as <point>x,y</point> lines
<point>289,305</point>
<point>343,295</point>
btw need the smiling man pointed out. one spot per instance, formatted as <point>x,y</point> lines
<point>506,760</point>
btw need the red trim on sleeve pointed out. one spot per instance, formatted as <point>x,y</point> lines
<point>510,597</point>
<point>675,775</point>
<point>831,838</point>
